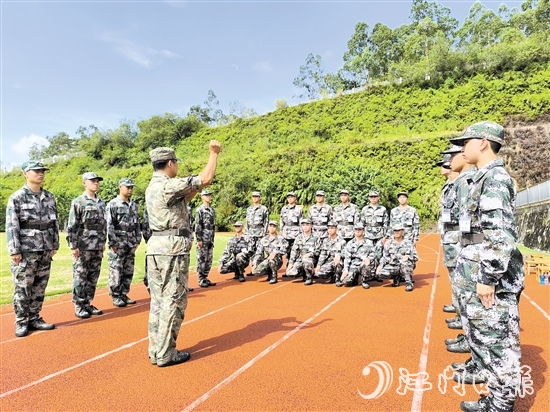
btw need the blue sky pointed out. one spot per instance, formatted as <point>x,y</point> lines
<point>67,64</point>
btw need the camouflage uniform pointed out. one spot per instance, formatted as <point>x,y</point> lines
<point>346,217</point>
<point>320,216</point>
<point>264,265</point>
<point>256,224</point>
<point>86,231</point>
<point>354,254</point>
<point>330,248</point>
<point>409,218</point>
<point>305,252</point>
<point>290,225</point>
<point>167,256</point>
<point>376,221</point>
<point>398,260</point>
<point>32,230</point>
<point>236,256</point>
<point>124,234</point>
<point>205,220</point>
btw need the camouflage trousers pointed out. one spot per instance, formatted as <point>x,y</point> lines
<point>121,271</point>
<point>235,265</point>
<point>304,267</point>
<point>451,271</point>
<point>330,270</point>
<point>493,336</point>
<point>289,242</point>
<point>30,278</point>
<point>401,270</point>
<point>204,259</point>
<point>269,267</point>
<point>85,275</point>
<point>254,244</point>
<point>167,277</point>
<point>358,273</point>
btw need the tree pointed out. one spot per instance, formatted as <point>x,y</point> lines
<point>356,58</point>
<point>312,77</point>
<point>440,15</point>
<point>210,113</point>
<point>59,144</point>
<point>481,28</point>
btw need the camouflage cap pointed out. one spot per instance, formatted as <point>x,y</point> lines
<point>273,223</point>
<point>320,193</point>
<point>126,181</point>
<point>403,193</point>
<point>291,194</point>
<point>206,192</point>
<point>451,150</point>
<point>374,193</point>
<point>305,221</point>
<point>332,223</point>
<point>33,165</point>
<point>162,154</point>
<point>398,226</point>
<point>359,226</point>
<point>90,176</point>
<point>483,130</point>
<point>238,223</point>
<point>344,192</point>
<point>256,193</point>
<point>446,159</point>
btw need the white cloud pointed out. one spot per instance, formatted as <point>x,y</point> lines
<point>144,56</point>
<point>264,66</point>
<point>22,146</point>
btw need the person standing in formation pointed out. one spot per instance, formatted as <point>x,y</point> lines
<point>257,218</point>
<point>205,222</point>
<point>346,215</point>
<point>291,215</point>
<point>320,213</point>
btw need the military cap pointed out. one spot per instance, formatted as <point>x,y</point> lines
<point>205,192</point>
<point>238,223</point>
<point>482,130</point>
<point>256,193</point>
<point>291,194</point>
<point>332,223</point>
<point>162,154</point>
<point>273,223</point>
<point>344,192</point>
<point>403,193</point>
<point>306,221</point>
<point>359,226</point>
<point>374,193</point>
<point>446,159</point>
<point>126,181</point>
<point>90,176</point>
<point>320,193</point>
<point>33,165</point>
<point>452,150</point>
<point>398,226</point>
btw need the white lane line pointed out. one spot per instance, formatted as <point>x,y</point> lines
<point>541,310</point>
<point>266,351</point>
<point>418,390</point>
<point>129,345</point>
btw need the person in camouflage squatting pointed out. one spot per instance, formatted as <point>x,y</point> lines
<point>86,236</point>
<point>358,260</point>
<point>205,222</point>
<point>330,262</point>
<point>489,276</point>
<point>236,255</point>
<point>257,218</point>
<point>346,215</point>
<point>32,234</point>
<point>375,219</point>
<point>168,248</point>
<point>124,236</point>
<point>398,259</point>
<point>269,254</point>
<point>291,215</point>
<point>320,213</point>
<point>305,251</point>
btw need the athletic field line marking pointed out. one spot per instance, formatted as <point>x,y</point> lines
<point>128,345</point>
<point>266,351</point>
<point>541,310</point>
<point>418,390</point>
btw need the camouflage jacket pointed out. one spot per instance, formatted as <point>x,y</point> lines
<point>376,221</point>
<point>356,251</point>
<point>205,222</point>
<point>310,245</point>
<point>330,248</point>
<point>410,220</point>
<point>291,217</point>
<point>123,226</point>
<point>490,206</point>
<point>87,224</point>
<point>24,213</point>
<point>346,217</point>
<point>394,253</point>
<point>268,245</point>
<point>234,246</point>
<point>167,209</point>
<point>145,228</point>
<point>320,216</point>
<point>257,219</point>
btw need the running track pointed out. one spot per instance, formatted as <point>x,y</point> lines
<point>261,347</point>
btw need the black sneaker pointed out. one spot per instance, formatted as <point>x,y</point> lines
<point>210,283</point>
<point>129,301</point>
<point>81,313</point>
<point>339,284</point>
<point>459,367</point>
<point>395,283</point>
<point>21,329</point>
<point>365,285</point>
<point>119,302</point>
<point>241,278</point>
<point>308,282</point>
<point>449,309</point>
<point>179,358</point>
<point>456,324</point>
<point>40,324</point>
<point>482,405</point>
<point>92,310</point>
<point>409,287</point>
<point>456,340</point>
<point>203,283</point>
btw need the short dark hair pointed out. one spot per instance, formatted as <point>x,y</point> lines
<point>160,165</point>
<point>495,146</point>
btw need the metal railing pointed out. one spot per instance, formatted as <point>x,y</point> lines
<point>534,194</point>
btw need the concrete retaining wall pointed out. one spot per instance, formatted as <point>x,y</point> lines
<point>534,225</point>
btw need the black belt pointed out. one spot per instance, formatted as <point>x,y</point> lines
<point>471,238</point>
<point>94,227</point>
<point>450,227</point>
<point>172,232</point>
<point>38,226</point>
